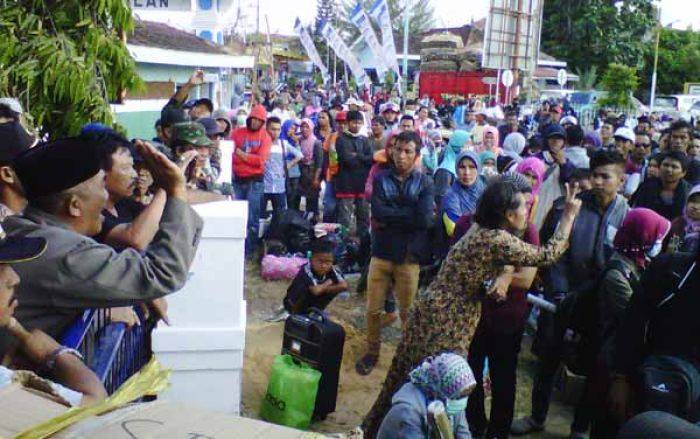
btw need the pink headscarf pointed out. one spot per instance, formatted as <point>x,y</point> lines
<point>493,130</point>
<point>639,231</point>
<point>307,145</point>
<point>537,167</point>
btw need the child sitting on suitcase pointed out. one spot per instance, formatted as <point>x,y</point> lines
<point>317,282</point>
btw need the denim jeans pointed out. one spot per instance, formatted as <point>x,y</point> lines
<point>251,191</point>
<point>345,208</point>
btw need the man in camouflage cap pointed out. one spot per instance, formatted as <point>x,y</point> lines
<point>192,136</point>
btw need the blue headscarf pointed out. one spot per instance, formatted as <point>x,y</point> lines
<point>453,148</point>
<point>462,199</point>
<point>285,129</point>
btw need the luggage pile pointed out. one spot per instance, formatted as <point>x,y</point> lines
<point>303,384</point>
<point>446,53</point>
<point>287,242</point>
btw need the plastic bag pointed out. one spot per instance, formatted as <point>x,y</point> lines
<point>291,393</point>
<point>281,267</point>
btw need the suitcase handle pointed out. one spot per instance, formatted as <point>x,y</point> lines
<point>317,314</point>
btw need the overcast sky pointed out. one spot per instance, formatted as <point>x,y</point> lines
<point>282,13</point>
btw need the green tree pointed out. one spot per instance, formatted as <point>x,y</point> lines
<point>619,81</point>
<point>587,79</point>
<point>597,32</point>
<point>679,62</point>
<point>66,60</point>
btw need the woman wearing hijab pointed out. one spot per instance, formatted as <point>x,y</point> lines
<point>685,230</point>
<point>446,378</point>
<point>514,145</point>
<point>445,173</point>
<point>513,148</point>
<point>639,239</point>
<point>309,169</point>
<point>534,169</point>
<point>487,162</point>
<point>465,192</point>
<point>490,140</point>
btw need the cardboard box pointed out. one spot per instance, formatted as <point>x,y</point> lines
<point>161,420</point>
<point>22,407</point>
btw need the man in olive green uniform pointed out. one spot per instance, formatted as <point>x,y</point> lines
<point>65,186</point>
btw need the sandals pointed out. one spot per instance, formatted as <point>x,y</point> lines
<point>365,364</point>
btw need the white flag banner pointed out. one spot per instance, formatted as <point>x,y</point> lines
<point>344,53</point>
<point>380,12</point>
<point>360,19</point>
<point>310,49</point>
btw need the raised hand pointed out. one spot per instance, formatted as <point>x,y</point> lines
<point>572,205</point>
<point>197,77</point>
<point>166,174</point>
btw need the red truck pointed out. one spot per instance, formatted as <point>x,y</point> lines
<point>437,84</point>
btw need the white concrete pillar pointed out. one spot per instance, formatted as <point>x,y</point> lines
<point>204,346</point>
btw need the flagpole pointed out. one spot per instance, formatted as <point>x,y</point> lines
<point>407,13</point>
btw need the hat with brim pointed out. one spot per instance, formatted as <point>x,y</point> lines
<point>13,104</point>
<point>210,126</point>
<point>555,130</point>
<point>16,249</point>
<point>193,133</point>
<point>624,133</point>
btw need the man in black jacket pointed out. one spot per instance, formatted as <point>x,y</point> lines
<point>354,162</point>
<point>402,212</point>
<point>667,194</point>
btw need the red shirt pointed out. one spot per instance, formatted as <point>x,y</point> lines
<point>256,144</point>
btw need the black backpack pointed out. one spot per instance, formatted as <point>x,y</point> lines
<point>578,326</point>
<point>669,383</point>
<point>292,228</point>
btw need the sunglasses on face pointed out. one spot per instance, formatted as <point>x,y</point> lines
<point>642,145</point>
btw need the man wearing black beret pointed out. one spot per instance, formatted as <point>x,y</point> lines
<point>65,186</point>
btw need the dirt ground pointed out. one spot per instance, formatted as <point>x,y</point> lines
<point>356,393</point>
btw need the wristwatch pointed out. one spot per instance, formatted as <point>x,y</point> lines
<point>50,362</point>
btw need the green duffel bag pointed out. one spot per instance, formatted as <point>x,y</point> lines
<point>291,393</point>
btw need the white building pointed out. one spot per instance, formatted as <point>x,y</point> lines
<point>208,19</point>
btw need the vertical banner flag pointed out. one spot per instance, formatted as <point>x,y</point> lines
<point>380,12</point>
<point>310,48</point>
<point>360,19</point>
<point>344,53</point>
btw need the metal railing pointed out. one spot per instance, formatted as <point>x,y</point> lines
<point>111,350</point>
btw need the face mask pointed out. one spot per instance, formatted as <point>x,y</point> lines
<point>455,406</point>
<point>654,250</point>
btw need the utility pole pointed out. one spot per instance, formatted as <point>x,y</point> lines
<point>258,25</point>
<point>652,95</point>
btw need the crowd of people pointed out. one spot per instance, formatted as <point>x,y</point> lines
<point>481,205</point>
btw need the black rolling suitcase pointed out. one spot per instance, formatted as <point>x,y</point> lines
<point>318,342</point>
